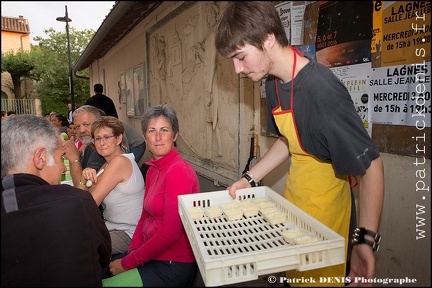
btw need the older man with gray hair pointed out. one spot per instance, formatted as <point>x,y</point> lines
<point>52,234</point>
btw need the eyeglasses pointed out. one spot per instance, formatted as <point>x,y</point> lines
<point>104,138</point>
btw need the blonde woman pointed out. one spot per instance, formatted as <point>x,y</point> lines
<point>120,184</point>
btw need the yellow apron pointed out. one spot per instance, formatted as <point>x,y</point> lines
<point>313,186</point>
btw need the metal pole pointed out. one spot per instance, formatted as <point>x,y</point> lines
<point>71,82</point>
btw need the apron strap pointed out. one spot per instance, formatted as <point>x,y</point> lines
<point>353,181</point>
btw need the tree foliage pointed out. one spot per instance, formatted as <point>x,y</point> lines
<point>20,64</point>
<point>48,64</point>
<point>53,69</point>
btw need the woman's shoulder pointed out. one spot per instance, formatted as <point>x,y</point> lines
<point>130,156</point>
<point>122,159</point>
<point>181,167</point>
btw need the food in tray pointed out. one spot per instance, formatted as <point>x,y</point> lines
<point>246,202</point>
<point>306,239</point>
<point>250,211</point>
<point>249,208</point>
<point>275,218</point>
<point>259,200</point>
<point>196,212</point>
<point>271,213</point>
<point>213,212</point>
<point>233,214</point>
<point>263,203</point>
<point>290,234</point>
<point>231,205</point>
<point>268,210</point>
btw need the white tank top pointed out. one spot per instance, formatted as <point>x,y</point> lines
<point>123,205</point>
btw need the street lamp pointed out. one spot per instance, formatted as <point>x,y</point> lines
<point>71,86</point>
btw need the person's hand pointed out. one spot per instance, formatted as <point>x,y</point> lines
<point>89,174</point>
<point>116,268</point>
<point>240,184</point>
<point>71,151</point>
<point>362,266</point>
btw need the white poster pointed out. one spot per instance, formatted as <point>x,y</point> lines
<point>356,79</point>
<point>284,10</point>
<point>401,95</point>
<point>297,13</point>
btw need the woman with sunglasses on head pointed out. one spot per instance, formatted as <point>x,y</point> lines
<point>118,185</point>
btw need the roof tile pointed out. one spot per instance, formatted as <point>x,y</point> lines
<point>15,24</point>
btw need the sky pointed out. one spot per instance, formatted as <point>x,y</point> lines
<point>42,15</point>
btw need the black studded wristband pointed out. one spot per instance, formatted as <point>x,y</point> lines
<point>358,237</point>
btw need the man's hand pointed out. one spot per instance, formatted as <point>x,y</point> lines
<point>240,184</point>
<point>362,265</point>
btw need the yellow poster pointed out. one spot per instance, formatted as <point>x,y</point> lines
<point>376,42</point>
<point>406,32</point>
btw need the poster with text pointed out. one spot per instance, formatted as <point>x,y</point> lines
<point>406,32</point>
<point>356,78</point>
<point>297,13</point>
<point>344,33</point>
<point>376,42</point>
<point>401,95</point>
<point>284,10</point>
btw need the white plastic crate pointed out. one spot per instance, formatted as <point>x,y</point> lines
<point>229,252</point>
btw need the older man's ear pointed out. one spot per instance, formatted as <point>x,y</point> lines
<point>39,158</point>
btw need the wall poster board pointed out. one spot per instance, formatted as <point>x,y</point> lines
<point>387,72</point>
<point>132,87</point>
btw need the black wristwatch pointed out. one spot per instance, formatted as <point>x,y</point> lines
<point>358,237</point>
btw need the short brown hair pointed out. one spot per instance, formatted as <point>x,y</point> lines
<point>110,122</point>
<point>248,22</point>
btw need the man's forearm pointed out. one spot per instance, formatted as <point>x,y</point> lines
<point>371,195</point>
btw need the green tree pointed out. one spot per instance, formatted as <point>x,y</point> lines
<point>53,85</point>
<point>19,65</point>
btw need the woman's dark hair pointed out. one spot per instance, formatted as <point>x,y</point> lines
<point>63,120</point>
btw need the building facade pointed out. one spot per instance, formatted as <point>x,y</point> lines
<point>15,36</point>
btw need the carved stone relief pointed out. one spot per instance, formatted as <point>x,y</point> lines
<point>186,71</point>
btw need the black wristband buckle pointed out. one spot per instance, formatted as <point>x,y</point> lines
<point>249,179</point>
<point>359,238</point>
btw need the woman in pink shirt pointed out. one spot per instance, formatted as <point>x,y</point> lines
<point>160,249</point>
